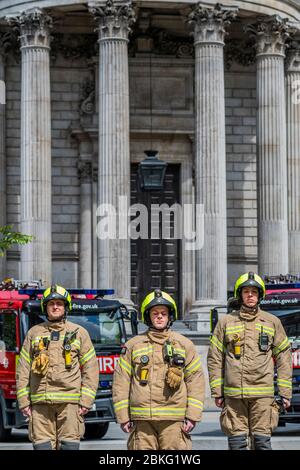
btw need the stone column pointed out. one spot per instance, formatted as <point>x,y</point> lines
<point>271,34</point>
<point>35,144</point>
<point>94,223</point>
<point>85,240</point>
<point>114,159</point>
<point>4,44</point>
<point>210,156</point>
<point>293,154</point>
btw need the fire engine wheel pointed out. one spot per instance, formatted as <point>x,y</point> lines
<point>4,433</point>
<point>95,430</point>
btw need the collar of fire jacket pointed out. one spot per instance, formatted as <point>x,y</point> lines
<point>158,336</point>
<point>249,313</point>
<point>56,325</point>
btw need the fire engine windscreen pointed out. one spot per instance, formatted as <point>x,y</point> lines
<point>7,332</point>
<point>103,327</point>
<point>290,319</point>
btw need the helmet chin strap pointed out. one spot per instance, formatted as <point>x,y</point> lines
<point>160,329</point>
<point>63,318</point>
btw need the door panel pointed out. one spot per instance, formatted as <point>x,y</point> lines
<point>155,263</point>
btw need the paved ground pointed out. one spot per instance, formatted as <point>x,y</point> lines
<point>206,436</point>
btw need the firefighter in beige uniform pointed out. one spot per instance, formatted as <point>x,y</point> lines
<point>158,386</point>
<point>57,376</point>
<point>244,346</point>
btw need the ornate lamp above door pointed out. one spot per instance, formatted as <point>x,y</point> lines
<point>151,171</point>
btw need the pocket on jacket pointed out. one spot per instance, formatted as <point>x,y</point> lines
<point>132,439</point>
<point>274,418</point>
<point>30,429</point>
<point>225,422</point>
<point>229,341</point>
<point>81,426</point>
<point>136,367</point>
<point>187,441</point>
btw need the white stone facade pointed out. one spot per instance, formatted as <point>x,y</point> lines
<point>176,133</point>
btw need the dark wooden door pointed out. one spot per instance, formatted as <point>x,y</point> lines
<point>155,262</point>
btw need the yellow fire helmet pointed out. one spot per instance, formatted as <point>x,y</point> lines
<point>158,297</point>
<point>56,292</point>
<point>249,280</point>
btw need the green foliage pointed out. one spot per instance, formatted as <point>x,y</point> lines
<point>8,238</point>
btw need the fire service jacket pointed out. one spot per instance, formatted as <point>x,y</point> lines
<point>156,400</point>
<point>60,385</point>
<point>251,375</point>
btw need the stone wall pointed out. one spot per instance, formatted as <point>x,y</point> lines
<point>240,122</point>
<point>66,85</point>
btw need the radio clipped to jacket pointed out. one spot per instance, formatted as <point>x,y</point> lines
<point>171,357</point>
<point>263,341</point>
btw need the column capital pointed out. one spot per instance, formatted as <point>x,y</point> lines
<point>85,171</point>
<point>210,23</point>
<point>292,63</point>
<point>114,19</point>
<point>34,26</point>
<point>271,34</point>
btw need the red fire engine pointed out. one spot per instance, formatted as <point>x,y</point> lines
<point>283,300</point>
<point>108,322</point>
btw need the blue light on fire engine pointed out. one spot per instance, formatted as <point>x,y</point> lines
<point>100,292</point>
<point>292,285</point>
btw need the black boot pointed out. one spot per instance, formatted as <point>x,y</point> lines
<point>239,442</point>
<point>69,445</point>
<point>262,442</point>
<point>46,445</point>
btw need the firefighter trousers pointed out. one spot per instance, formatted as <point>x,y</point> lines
<point>249,416</point>
<point>55,423</point>
<point>158,435</point>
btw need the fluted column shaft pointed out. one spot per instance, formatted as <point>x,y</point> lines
<point>3,272</point>
<point>210,155</point>
<point>35,145</point>
<point>114,158</point>
<point>293,155</point>
<point>85,238</point>
<point>271,146</point>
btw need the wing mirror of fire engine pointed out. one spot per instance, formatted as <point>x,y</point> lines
<point>134,321</point>
<point>233,304</point>
<point>112,315</point>
<point>132,316</point>
<point>214,318</point>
